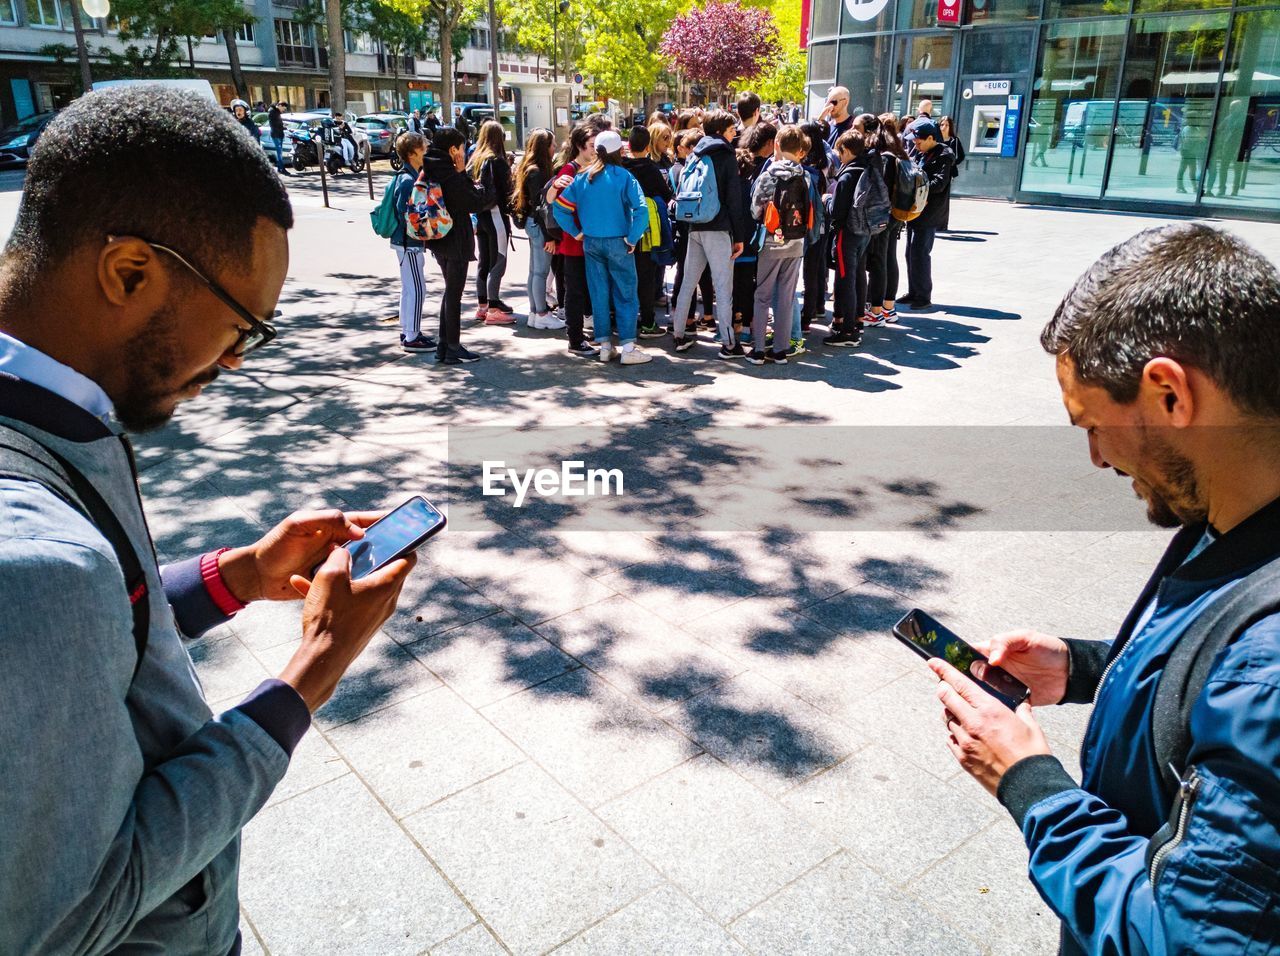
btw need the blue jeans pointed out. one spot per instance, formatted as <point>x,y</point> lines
<point>280,155</point>
<point>611,277</point>
<point>539,267</point>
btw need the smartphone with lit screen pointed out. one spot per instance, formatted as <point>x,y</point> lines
<point>928,638</point>
<point>394,535</point>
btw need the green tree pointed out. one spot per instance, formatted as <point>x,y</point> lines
<point>162,23</point>
<point>621,50</point>
<point>447,19</point>
<point>784,79</point>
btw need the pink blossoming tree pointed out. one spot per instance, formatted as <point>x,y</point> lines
<point>722,42</point>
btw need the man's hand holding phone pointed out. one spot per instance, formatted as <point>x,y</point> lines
<point>1040,661</point>
<point>983,734</point>
<point>263,570</point>
<point>339,617</point>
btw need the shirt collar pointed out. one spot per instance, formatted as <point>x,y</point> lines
<point>29,364</point>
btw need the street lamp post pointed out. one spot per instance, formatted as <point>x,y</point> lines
<point>561,7</point>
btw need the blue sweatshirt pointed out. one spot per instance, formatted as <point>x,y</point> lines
<point>610,206</point>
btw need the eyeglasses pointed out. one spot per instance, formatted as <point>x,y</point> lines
<point>259,332</point>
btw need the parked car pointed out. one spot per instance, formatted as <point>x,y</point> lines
<point>477,113</point>
<point>16,140</point>
<point>382,130</point>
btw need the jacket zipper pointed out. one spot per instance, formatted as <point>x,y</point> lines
<point>1188,790</point>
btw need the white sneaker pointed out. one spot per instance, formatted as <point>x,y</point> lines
<point>606,351</point>
<point>633,355</point>
<point>558,313</point>
<point>549,321</point>
<point>534,321</point>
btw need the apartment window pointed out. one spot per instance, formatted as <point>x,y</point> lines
<point>359,43</point>
<point>44,14</point>
<point>8,13</point>
<point>244,34</point>
<point>293,43</point>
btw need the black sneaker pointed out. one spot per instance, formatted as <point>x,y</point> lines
<point>654,331</point>
<point>448,360</point>
<point>464,354</point>
<point>756,358</point>
<point>921,305</point>
<point>844,340</point>
<point>835,337</point>
<point>583,350</point>
<point>805,322</point>
<point>777,358</point>
<point>685,342</point>
<point>423,343</point>
<point>729,355</point>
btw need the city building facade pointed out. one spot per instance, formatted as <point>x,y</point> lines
<point>283,58</point>
<point>1152,105</point>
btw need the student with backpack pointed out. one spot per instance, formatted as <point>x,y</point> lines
<point>455,249</point>
<point>882,272</point>
<point>684,143</point>
<point>578,153</point>
<point>782,203</point>
<point>859,210</point>
<point>710,200</point>
<point>605,204</point>
<point>489,168</point>
<point>814,271</point>
<point>657,190</point>
<point>937,163</point>
<point>754,153</point>
<point>410,252</point>
<point>532,176</point>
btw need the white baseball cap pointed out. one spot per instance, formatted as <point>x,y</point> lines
<point>609,141</point>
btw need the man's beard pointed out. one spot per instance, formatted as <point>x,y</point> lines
<point>150,395</point>
<point>1175,501</point>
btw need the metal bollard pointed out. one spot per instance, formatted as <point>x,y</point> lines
<point>324,179</point>
<point>368,168</point>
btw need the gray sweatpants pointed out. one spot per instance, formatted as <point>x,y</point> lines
<point>776,279</point>
<point>716,250</point>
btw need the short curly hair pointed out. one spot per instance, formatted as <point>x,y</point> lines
<point>165,165</point>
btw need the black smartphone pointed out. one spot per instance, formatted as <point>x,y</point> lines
<point>394,535</point>
<point>929,639</point>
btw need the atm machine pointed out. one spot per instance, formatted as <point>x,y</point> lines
<point>987,133</point>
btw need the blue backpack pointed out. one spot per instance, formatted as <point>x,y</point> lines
<point>698,198</point>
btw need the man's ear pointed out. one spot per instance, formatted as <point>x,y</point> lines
<point>1167,385</point>
<point>126,267</point>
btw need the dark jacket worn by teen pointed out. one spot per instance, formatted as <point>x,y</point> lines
<point>462,197</point>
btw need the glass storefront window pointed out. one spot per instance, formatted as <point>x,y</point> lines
<point>1003,11</point>
<point>864,71</point>
<point>1166,107</point>
<point>1055,9</point>
<point>822,62</point>
<point>1168,6</point>
<point>825,18</point>
<point>866,16</point>
<point>1244,158</point>
<point>1073,107</point>
<point>915,14</point>
<point>996,51</point>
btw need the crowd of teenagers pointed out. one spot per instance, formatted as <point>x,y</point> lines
<point>761,221</point>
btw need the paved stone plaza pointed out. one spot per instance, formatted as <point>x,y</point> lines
<point>693,739</point>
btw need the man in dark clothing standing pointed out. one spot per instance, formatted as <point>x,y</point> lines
<point>275,121</point>
<point>432,122</point>
<point>937,160</point>
<point>836,114</point>
<point>461,125</point>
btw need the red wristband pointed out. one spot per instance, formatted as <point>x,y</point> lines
<point>219,593</point>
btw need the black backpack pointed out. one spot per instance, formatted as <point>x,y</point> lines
<point>789,213</point>
<point>26,459</point>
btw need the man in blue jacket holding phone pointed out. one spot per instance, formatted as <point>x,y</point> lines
<point>1167,353</point>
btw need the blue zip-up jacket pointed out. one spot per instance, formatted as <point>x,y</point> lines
<point>610,206</point>
<point>1217,889</point>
